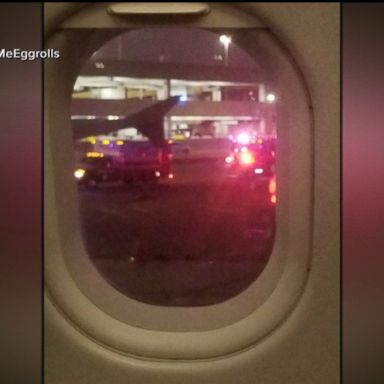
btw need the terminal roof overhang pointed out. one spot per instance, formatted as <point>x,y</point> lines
<point>145,70</point>
<point>83,108</point>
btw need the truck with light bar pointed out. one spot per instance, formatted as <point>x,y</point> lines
<point>107,159</point>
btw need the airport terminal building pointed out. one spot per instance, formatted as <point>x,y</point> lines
<point>214,101</point>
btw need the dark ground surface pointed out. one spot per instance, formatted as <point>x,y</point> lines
<point>198,239</point>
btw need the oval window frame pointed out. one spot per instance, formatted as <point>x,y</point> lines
<point>163,332</point>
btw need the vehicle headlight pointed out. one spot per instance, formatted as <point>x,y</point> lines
<point>79,173</point>
<point>246,158</point>
<point>229,159</point>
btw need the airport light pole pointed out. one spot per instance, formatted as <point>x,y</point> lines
<point>225,40</point>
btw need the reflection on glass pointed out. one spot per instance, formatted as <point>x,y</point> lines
<point>175,149</point>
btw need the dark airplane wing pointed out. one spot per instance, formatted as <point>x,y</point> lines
<point>148,121</point>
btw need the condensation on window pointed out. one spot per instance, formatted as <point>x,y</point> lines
<point>175,139</point>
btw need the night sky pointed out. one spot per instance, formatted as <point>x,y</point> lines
<point>188,46</point>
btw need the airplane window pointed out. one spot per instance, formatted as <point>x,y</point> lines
<point>174,133</point>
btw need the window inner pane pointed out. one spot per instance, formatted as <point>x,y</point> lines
<point>175,141</point>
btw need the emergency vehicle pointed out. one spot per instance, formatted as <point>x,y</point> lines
<point>252,160</point>
<point>109,159</point>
